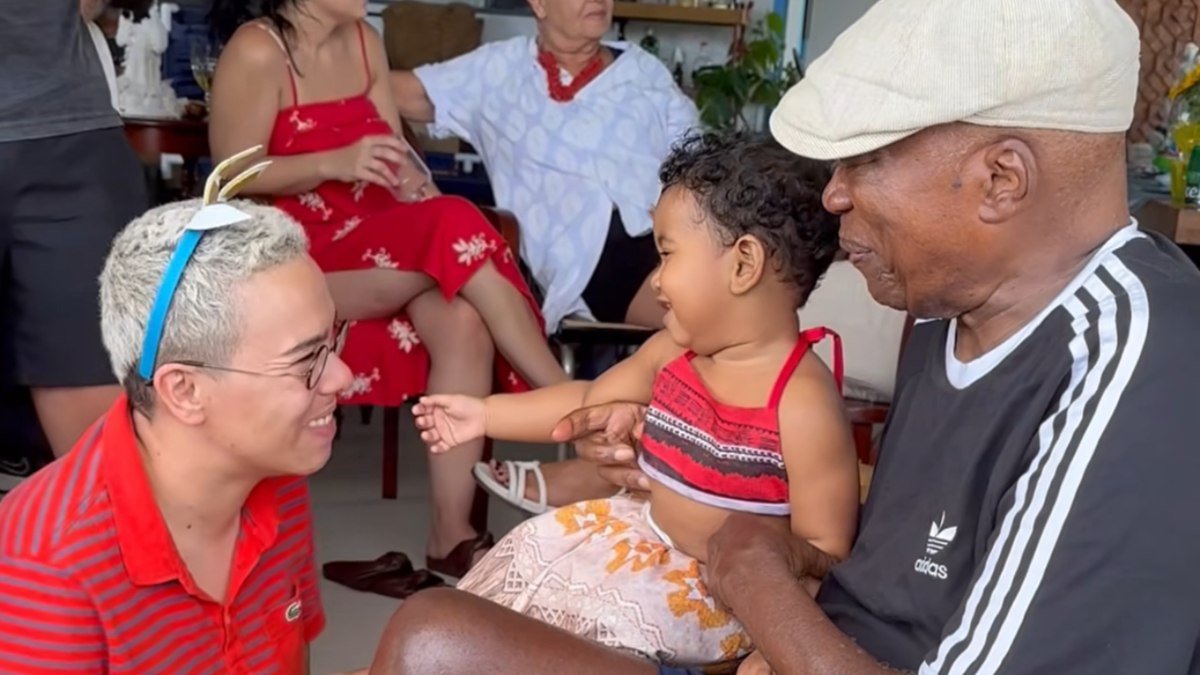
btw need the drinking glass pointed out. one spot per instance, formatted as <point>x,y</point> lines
<point>204,64</point>
<point>416,180</point>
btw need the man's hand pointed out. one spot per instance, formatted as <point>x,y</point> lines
<point>755,664</point>
<point>759,547</point>
<point>607,435</point>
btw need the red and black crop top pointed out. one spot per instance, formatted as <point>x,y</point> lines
<point>717,454</point>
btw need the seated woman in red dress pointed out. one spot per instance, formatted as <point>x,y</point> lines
<point>431,288</point>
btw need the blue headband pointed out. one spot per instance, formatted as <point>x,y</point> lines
<point>213,215</point>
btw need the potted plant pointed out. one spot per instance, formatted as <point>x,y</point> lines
<point>740,93</point>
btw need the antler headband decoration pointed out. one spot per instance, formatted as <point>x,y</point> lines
<point>213,214</point>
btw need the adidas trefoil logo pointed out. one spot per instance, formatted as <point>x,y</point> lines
<point>940,536</point>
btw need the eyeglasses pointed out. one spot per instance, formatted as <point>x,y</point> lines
<point>311,376</point>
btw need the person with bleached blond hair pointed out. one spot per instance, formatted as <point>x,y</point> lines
<point>177,535</point>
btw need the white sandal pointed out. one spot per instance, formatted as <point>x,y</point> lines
<point>514,492</point>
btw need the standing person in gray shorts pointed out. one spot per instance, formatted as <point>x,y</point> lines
<point>69,181</point>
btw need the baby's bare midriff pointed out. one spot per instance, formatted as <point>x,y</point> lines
<point>686,521</point>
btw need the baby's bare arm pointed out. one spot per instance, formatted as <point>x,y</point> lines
<point>822,467</point>
<point>529,417</point>
<point>632,380</point>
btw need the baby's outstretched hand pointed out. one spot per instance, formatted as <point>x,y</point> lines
<point>448,420</point>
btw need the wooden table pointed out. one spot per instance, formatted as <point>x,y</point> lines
<point>151,138</point>
<point>1181,225</point>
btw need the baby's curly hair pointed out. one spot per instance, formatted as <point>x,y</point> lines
<point>750,184</point>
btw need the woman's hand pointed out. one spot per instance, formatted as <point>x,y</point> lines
<point>374,159</point>
<point>448,420</point>
<point>755,664</point>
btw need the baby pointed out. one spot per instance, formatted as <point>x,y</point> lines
<point>739,418</point>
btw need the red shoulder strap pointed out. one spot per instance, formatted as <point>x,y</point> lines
<point>807,339</point>
<point>815,335</point>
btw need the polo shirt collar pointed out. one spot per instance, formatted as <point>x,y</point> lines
<point>147,548</point>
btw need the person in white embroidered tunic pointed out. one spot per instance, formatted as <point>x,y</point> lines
<point>572,130</point>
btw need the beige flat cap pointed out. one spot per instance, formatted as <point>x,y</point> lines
<point>907,65</point>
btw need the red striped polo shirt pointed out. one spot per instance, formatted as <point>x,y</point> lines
<point>91,582</point>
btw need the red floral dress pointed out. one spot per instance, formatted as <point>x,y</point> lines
<point>363,226</point>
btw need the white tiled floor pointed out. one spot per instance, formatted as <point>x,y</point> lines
<point>354,523</point>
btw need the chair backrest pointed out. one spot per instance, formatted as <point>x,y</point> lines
<point>417,33</point>
<point>872,335</point>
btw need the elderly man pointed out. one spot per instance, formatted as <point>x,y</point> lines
<point>177,536</point>
<point>1033,510</point>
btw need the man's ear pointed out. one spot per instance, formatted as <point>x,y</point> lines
<point>179,390</point>
<point>1010,173</point>
<point>749,262</point>
<point>538,7</point>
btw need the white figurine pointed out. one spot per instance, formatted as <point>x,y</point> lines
<point>141,90</point>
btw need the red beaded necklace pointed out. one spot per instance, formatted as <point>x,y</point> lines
<point>565,92</point>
